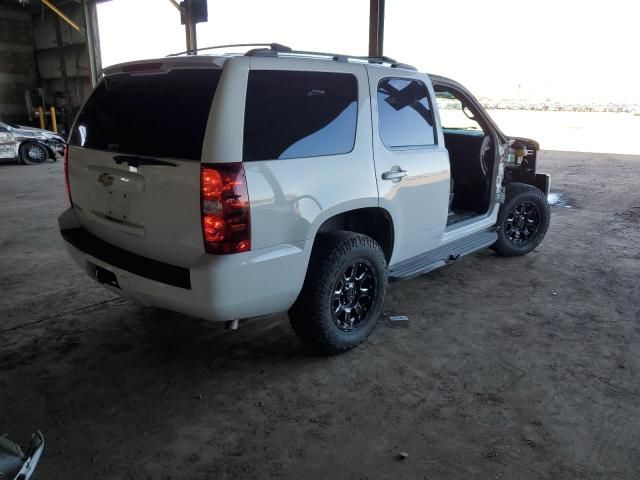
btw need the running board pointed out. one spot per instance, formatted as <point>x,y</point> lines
<point>442,255</point>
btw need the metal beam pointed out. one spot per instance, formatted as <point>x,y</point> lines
<point>91,41</point>
<point>376,28</point>
<point>190,28</point>
<point>59,12</point>
<point>63,63</point>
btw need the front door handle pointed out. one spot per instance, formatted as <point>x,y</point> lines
<point>395,174</point>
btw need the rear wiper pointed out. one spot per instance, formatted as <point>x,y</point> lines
<point>133,161</point>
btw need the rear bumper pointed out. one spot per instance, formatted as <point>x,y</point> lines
<point>216,287</point>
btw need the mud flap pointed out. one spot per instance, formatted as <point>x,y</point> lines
<point>16,464</point>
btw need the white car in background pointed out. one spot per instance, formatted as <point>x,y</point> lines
<point>29,145</point>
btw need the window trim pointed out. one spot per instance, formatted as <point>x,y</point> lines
<point>426,146</point>
<point>357,123</point>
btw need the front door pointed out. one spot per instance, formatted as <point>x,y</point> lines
<point>412,164</point>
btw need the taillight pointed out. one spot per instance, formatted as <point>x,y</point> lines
<point>226,226</point>
<point>66,173</point>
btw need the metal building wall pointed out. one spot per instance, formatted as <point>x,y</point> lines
<point>61,51</point>
<point>17,64</point>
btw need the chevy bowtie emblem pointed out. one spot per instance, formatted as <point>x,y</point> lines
<point>105,179</point>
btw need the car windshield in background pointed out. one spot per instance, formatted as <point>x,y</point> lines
<point>163,115</point>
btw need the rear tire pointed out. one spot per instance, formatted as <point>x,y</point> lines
<point>523,220</point>
<point>32,153</point>
<point>343,293</point>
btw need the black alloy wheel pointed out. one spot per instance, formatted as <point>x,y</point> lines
<point>342,296</point>
<point>522,222</point>
<point>353,295</point>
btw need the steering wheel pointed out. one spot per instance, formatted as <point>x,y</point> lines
<point>485,154</point>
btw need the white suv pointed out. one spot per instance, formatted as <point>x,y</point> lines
<point>240,185</point>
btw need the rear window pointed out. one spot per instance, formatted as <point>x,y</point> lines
<point>299,114</point>
<point>162,115</point>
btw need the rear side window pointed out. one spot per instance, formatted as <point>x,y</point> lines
<point>299,114</point>
<point>405,117</point>
<point>163,115</point>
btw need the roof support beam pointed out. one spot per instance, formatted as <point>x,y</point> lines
<point>59,12</point>
<point>190,28</point>
<point>184,8</point>
<point>90,22</point>
<point>376,27</point>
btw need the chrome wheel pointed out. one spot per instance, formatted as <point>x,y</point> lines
<point>34,153</point>
<point>522,222</point>
<point>353,295</point>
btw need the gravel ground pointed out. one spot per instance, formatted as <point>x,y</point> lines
<point>508,368</point>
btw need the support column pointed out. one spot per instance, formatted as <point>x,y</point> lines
<point>91,41</point>
<point>376,27</point>
<point>63,65</point>
<point>190,28</point>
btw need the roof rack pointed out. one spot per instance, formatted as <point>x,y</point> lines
<point>276,49</point>
<point>338,57</point>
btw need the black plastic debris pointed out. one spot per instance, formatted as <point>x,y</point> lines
<point>399,320</point>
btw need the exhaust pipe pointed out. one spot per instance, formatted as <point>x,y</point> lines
<point>233,324</point>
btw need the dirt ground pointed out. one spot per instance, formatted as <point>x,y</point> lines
<point>515,368</point>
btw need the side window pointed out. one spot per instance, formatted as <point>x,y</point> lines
<point>299,114</point>
<point>3,129</point>
<point>454,114</point>
<point>405,116</point>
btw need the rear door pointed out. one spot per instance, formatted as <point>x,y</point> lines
<point>134,161</point>
<point>412,165</point>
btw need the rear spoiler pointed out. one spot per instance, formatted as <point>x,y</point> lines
<point>164,65</point>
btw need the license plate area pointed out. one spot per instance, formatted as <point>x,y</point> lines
<point>117,195</point>
<point>102,275</point>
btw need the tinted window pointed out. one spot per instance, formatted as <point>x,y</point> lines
<point>299,114</point>
<point>162,115</point>
<point>404,113</point>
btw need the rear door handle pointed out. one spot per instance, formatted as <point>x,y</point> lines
<point>395,174</point>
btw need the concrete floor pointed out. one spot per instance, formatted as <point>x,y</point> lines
<point>509,368</point>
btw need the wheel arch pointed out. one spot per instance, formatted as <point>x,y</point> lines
<point>374,222</point>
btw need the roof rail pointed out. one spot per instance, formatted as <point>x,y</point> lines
<point>276,47</point>
<point>338,57</point>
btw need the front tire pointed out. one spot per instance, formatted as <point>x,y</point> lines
<point>343,293</point>
<point>523,220</point>
<point>32,153</point>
